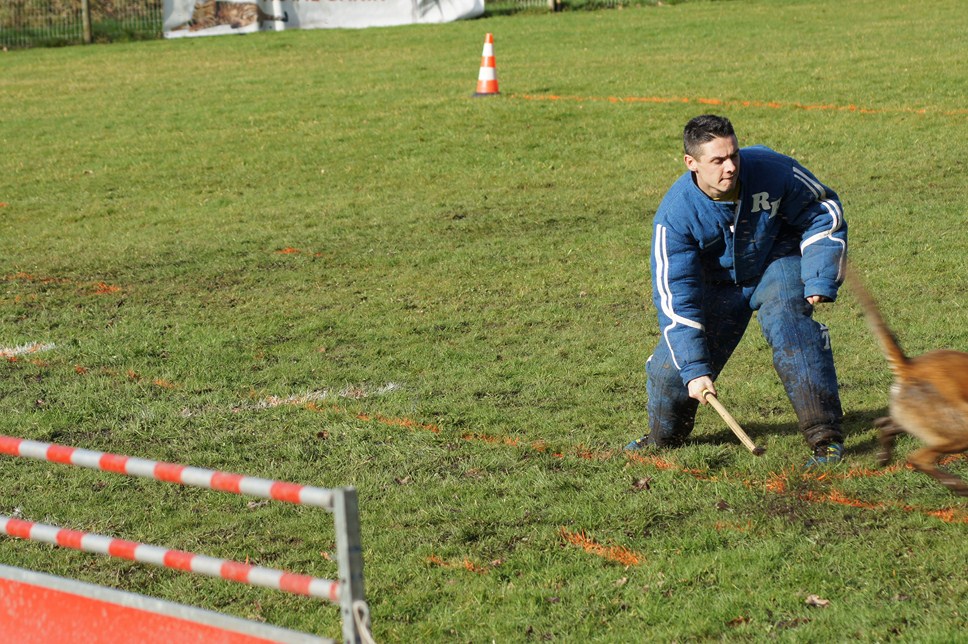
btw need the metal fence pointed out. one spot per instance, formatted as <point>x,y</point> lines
<point>502,7</point>
<point>499,7</point>
<point>46,23</point>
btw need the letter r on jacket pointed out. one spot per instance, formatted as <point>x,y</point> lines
<point>761,201</point>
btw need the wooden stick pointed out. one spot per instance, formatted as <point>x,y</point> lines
<point>733,425</point>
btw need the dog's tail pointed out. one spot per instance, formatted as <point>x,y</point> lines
<point>889,345</point>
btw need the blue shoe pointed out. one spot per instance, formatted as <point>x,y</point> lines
<point>825,455</point>
<point>639,443</point>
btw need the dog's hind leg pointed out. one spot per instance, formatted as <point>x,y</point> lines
<point>926,460</point>
<point>888,430</point>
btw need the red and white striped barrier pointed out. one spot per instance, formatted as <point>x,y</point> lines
<point>348,592</point>
<point>168,472</point>
<point>176,559</point>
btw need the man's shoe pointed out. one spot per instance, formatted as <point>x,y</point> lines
<point>825,455</point>
<point>639,443</point>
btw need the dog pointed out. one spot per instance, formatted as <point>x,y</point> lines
<point>929,398</point>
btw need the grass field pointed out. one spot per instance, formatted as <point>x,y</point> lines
<point>312,256</point>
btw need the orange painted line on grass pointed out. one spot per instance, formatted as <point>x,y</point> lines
<point>866,472</point>
<point>393,422</point>
<point>102,288</point>
<point>778,483</point>
<point>653,460</point>
<point>437,561</point>
<point>129,374</point>
<point>592,455</point>
<point>947,460</point>
<point>466,564</point>
<point>833,496</point>
<point>510,441</point>
<point>494,440</point>
<point>97,288</point>
<point>733,103</point>
<point>289,250</point>
<point>399,422</point>
<point>948,515</point>
<point>136,377</point>
<point>579,451</point>
<point>617,554</point>
<point>658,462</point>
<point>737,527</point>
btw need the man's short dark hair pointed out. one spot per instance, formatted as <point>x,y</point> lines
<point>703,129</point>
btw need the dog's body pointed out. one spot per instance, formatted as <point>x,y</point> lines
<point>929,398</point>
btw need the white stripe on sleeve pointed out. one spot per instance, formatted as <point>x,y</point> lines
<point>665,292</point>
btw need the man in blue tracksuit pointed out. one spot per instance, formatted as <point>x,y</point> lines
<point>744,230</point>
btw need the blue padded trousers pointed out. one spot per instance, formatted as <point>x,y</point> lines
<point>802,355</point>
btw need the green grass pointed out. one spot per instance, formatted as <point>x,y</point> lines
<point>489,257</point>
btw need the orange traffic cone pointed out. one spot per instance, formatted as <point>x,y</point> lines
<point>487,79</point>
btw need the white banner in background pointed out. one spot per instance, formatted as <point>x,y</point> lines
<point>214,17</point>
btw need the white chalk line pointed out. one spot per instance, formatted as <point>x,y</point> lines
<point>355,392</point>
<point>25,349</point>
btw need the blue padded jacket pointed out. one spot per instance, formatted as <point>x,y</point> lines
<point>782,210</point>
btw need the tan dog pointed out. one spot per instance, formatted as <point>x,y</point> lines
<point>929,398</point>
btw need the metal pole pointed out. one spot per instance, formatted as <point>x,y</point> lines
<point>349,556</point>
<point>277,12</point>
<point>86,21</point>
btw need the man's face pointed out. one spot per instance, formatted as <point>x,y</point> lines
<point>717,167</point>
